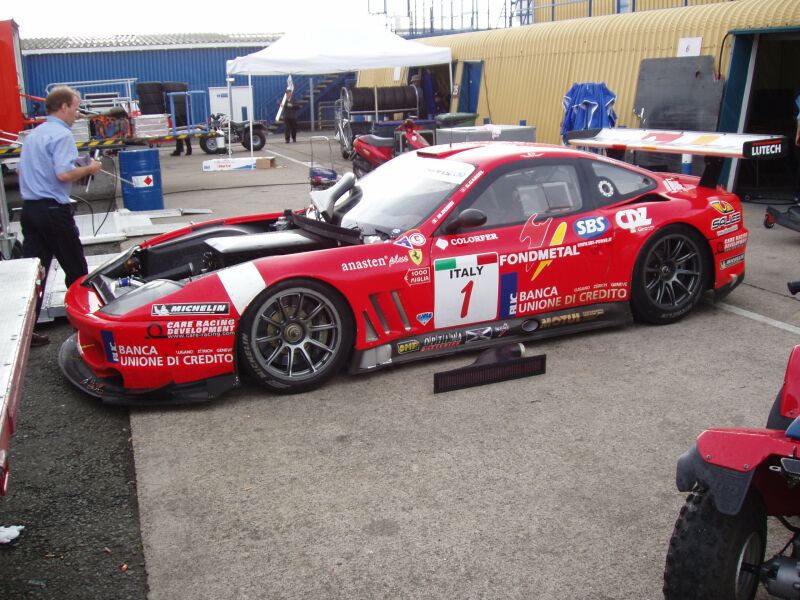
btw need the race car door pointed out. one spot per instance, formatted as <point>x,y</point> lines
<point>542,246</point>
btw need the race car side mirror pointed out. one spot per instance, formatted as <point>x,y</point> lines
<point>472,217</point>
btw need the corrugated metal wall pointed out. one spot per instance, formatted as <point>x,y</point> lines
<point>527,70</point>
<point>201,68</point>
<point>545,11</point>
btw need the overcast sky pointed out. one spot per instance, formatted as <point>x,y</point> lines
<point>63,18</point>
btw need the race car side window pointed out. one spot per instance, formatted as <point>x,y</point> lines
<point>609,183</point>
<point>544,189</point>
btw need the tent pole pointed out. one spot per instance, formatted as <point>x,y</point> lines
<point>311,95</point>
<point>450,72</point>
<point>230,113</point>
<point>250,83</point>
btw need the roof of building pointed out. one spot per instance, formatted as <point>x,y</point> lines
<point>128,42</point>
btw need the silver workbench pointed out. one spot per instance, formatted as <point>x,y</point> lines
<point>18,286</point>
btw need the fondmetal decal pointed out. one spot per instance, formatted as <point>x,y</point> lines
<point>170,310</point>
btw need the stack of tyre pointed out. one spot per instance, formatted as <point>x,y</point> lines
<point>151,97</point>
<point>154,99</point>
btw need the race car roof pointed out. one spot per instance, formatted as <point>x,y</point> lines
<point>703,143</point>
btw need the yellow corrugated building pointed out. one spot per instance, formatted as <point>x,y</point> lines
<point>527,70</point>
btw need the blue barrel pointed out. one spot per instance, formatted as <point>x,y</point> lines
<point>140,171</point>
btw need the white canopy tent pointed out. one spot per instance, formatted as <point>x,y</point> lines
<point>324,46</point>
<point>331,48</point>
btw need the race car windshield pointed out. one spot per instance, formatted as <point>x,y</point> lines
<point>401,193</point>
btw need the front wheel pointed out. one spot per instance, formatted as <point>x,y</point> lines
<point>295,335</point>
<point>713,556</point>
<point>259,138</point>
<point>670,274</point>
<point>211,145</point>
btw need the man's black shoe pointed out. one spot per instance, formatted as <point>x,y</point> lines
<point>37,339</point>
<point>176,153</point>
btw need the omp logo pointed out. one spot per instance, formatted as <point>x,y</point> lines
<point>633,218</point>
<point>591,227</point>
<point>722,207</point>
<point>410,346</point>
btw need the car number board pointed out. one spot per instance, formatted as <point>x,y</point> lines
<point>466,289</point>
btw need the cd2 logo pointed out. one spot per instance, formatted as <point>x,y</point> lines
<point>591,227</point>
<point>633,219</point>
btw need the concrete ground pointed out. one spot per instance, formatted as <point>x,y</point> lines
<point>556,486</point>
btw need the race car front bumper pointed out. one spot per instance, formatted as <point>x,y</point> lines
<point>110,390</point>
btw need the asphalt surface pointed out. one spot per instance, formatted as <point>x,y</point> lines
<point>556,486</point>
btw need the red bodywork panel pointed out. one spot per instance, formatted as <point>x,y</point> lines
<point>790,400</point>
<point>424,292</point>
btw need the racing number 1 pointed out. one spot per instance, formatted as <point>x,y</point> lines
<point>466,289</point>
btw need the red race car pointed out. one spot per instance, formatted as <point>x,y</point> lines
<point>444,249</point>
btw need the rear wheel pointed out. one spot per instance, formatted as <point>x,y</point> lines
<point>670,274</point>
<point>295,335</point>
<point>259,138</point>
<point>713,556</point>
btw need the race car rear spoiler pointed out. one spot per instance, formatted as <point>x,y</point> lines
<point>713,145</point>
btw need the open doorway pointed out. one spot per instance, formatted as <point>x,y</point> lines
<point>435,83</point>
<point>771,109</point>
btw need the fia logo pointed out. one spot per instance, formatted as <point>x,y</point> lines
<point>633,219</point>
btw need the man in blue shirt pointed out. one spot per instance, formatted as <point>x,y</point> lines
<point>47,168</point>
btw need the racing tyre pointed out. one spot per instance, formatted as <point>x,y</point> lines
<point>259,138</point>
<point>670,273</point>
<point>713,556</point>
<point>210,145</point>
<point>295,335</point>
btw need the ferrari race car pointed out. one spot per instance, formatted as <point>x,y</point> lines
<point>444,249</point>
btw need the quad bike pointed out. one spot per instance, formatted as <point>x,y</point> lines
<point>371,151</point>
<point>239,132</point>
<point>736,478</point>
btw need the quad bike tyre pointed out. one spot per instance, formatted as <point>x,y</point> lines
<point>295,335</point>
<point>670,274</point>
<point>713,556</point>
<point>259,138</point>
<point>211,145</point>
